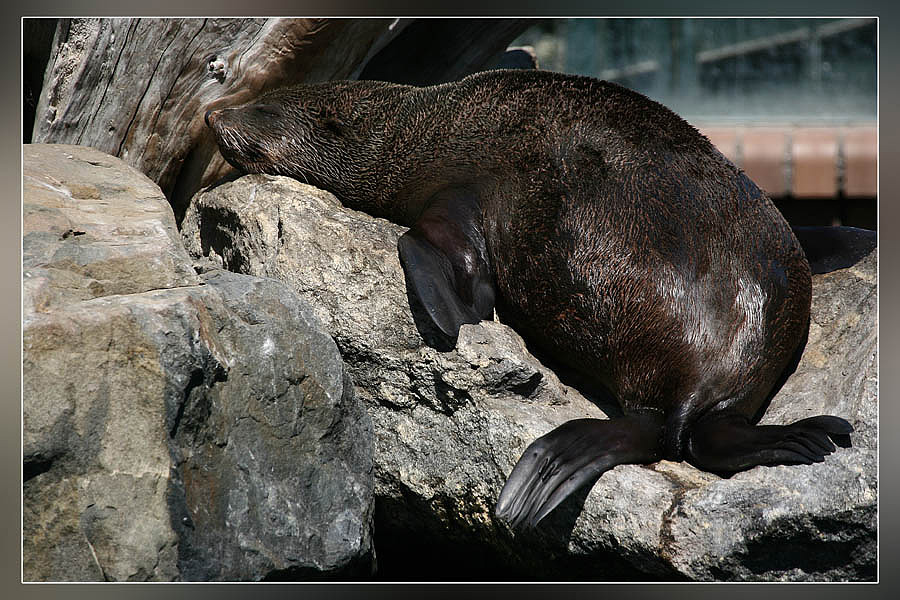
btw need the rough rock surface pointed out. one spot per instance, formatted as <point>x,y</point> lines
<point>451,422</point>
<point>176,426</point>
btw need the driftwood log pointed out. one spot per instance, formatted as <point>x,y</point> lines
<point>138,88</point>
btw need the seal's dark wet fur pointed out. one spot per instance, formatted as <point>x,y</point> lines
<point>602,226</point>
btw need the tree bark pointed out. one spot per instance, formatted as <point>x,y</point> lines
<point>138,88</point>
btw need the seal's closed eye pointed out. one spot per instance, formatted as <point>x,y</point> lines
<point>268,110</point>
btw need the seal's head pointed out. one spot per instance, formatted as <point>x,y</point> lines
<point>306,132</point>
<point>247,136</point>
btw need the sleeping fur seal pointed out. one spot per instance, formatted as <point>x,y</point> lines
<point>600,225</point>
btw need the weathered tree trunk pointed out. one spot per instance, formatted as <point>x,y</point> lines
<point>138,88</point>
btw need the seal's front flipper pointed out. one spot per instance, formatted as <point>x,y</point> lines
<point>831,248</point>
<point>571,456</point>
<point>727,442</point>
<point>445,262</point>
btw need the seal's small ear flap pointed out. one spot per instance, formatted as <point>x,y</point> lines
<point>332,122</point>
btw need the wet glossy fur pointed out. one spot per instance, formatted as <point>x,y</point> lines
<point>606,230</point>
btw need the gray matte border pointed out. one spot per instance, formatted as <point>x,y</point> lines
<point>10,298</point>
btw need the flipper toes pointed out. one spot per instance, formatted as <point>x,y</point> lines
<point>570,457</point>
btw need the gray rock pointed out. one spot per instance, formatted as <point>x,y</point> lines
<point>175,426</point>
<point>94,227</point>
<point>449,425</point>
<point>275,463</point>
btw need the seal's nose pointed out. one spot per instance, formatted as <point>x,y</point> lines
<point>206,118</point>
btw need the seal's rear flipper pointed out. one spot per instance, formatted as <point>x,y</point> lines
<point>727,442</point>
<point>831,248</point>
<point>571,456</point>
<point>445,262</point>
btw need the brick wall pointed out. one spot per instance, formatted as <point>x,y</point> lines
<point>803,162</point>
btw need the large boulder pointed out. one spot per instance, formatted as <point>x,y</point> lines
<point>176,426</point>
<point>451,421</point>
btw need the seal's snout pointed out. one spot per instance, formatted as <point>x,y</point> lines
<point>207,116</point>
